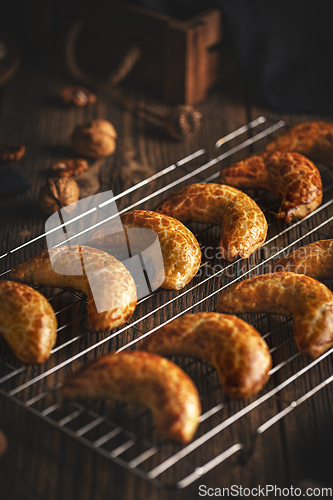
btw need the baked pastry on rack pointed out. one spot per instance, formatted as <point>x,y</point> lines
<point>244,227</point>
<point>145,378</point>
<point>108,284</point>
<point>27,322</point>
<point>290,175</point>
<point>180,250</point>
<point>311,139</point>
<point>314,259</point>
<point>235,348</point>
<point>306,300</point>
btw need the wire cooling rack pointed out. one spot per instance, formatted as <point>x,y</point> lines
<point>124,433</point>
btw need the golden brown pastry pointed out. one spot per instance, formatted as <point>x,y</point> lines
<point>27,322</point>
<point>145,378</point>
<point>235,348</point>
<point>307,301</point>
<point>289,175</point>
<point>180,250</point>
<point>312,139</point>
<point>314,259</point>
<point>109,286</point>
<point>243,224</point>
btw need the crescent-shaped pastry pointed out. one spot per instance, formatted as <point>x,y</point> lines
<point>289,175</point>
<point>110,288</point>
<point>307,301</point>
<point>314,259</point>
<point>180,250</point>
<point>27,322</point>
<point>243,224</point>
<point>235,348</point>
<point>311,139</point>
<point>145,378</point>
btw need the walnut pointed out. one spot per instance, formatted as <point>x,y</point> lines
<point>70,167</point>
<point>57,193</point>
<point>95,139</point>
<point>79,96</point>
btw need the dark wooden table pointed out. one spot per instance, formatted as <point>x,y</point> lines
<point>44,463</point>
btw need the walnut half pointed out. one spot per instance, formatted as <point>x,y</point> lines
<point>69,167</point>
<point>58,193</point>
<point>11,152</point>
<point>79,96</point>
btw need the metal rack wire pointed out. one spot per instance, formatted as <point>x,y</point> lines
<point>123,432</point>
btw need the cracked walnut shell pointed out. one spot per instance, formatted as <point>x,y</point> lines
<point>95,139</point>
<point>58,193</point>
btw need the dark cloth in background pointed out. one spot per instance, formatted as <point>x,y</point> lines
<point>12,182</point>
<point>284,49</point>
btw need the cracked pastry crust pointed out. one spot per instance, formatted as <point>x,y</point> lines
<point>289,175</point>
<point>306,300</point>
<point>27,322</point>
<point>314,260</point>
<point>145,378</point>
<point>108,285</point>
<point>244,227</point>
<point>235,348</point>
<point>311,139</point>
<point>180,250</point>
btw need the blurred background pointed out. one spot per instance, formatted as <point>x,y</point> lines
<point>281,49</point>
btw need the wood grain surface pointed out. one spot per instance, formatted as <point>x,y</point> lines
<point>41,461</point>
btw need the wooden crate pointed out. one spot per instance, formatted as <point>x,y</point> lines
<point>180,60</point>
